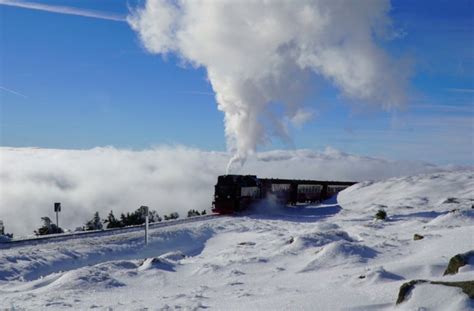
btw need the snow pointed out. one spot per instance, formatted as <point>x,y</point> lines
<point>334,256</point>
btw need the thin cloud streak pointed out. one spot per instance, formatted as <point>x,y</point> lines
<point>199,93</point>
<point>12,91</point>
<point>63,10</point>
<point>457,90</point>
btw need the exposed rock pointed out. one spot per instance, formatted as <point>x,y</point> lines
<point>246,243</point>
<point>458,261</point>
<point>406,288</point>
<point>466,286</point>
<point>417,237</point>
<point>451,200</point>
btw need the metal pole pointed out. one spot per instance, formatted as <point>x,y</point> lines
<point>57,219</point>
<point>146,229</point>
<point>147,213</point>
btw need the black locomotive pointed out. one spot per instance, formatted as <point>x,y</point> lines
<point>235,193</point>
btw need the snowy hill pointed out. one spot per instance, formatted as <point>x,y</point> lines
<point>334,256</point>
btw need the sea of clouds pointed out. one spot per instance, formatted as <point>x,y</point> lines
<point>167,179</point>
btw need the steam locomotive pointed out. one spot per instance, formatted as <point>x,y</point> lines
<point>234,193</point>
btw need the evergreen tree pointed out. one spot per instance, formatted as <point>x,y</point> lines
<point>132,219</point>
<point>203,212</point>
<point>48,227</point>
<point>123,220</point>
<point>113,222</point>
<point>95,223</point>
<point>154,217</point>
<point>171,216</point>
<point>193,213</point>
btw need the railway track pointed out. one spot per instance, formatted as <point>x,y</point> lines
<point>92,233</point>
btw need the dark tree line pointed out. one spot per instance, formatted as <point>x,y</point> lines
<point>129,219</point>
<point>193,213</point>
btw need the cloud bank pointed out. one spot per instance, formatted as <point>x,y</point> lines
<point>166,179</point>
<point>260,55</point>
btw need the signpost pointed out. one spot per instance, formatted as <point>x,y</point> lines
<point>57,209</point>
<point>145,208</point>
<point>2,228</point>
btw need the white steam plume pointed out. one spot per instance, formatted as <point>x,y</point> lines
<point>259,54</point>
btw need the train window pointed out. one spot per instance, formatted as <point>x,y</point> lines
<point>309,188</point>
<point>280,187</point>
<point>253,192</point>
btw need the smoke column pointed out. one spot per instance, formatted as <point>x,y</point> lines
<point>260,54</point>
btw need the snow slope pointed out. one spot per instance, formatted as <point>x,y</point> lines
<point>334,256</point>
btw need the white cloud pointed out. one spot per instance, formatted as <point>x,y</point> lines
<point>260,53</point>
<point>301,117</point>
<point>166,179</point>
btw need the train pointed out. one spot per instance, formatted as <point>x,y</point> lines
<point>235,193</point>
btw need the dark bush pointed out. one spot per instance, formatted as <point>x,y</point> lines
<point>193,213</point>
<point>112,222</point>
<point>171,216</point>
<point>48,227</point>
<point>417,237</point>
<point>138,217</point>
<point>95,223</point>
<point>381,214</point>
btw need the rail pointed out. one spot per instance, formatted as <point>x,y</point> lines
<point>75,235</point>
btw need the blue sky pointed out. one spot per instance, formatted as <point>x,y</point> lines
<point>77,82</point>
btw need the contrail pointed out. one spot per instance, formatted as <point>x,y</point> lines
<point>458,90</point>
<point>199,93</point>
<point>12,91</point>
<point>63,10</point>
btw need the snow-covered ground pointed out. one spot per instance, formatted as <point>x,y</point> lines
<point>334,256</point>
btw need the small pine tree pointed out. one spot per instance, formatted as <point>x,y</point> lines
<point>124,219</point>
<point>171,216</point>
<point>95,223</point>
<point>154,217</point>
<point>48,227</point>
<point>112,222</point>
<point>174,215</point>
<point>193,213</point>
<point>203,212</point>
